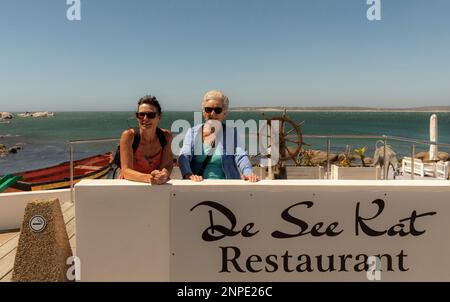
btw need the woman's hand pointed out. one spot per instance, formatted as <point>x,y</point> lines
<point>251,177</point>
<point>158,177</point>
<point>196,178</point>
<point>193,177</point>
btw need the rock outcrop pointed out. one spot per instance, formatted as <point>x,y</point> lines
<point>6,116</point>
<point>320,157</point>
<point>37,114</point>
<point>425,156</point>
<point>43,114</point>
<point>4,150</point>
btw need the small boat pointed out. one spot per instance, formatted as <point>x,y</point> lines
<point>58,177</point>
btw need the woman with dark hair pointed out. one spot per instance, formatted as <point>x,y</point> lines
<point>145,152</point>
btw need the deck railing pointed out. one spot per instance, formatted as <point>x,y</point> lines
<point>385,138</point>
<point>328,138</point>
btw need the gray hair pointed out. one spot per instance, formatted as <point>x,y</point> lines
<point>216,95</point>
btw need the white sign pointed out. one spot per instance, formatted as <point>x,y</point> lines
<point>37,223</point>
<point>294,233</point>
<point>273,230</point>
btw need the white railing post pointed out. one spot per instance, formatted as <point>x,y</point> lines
<point>71,171</point>
<point>413,161</point>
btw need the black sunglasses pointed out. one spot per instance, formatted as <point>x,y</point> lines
<point>150,115</point>
<point>217,110</point>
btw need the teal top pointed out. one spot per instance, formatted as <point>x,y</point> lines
<point>213,169</point>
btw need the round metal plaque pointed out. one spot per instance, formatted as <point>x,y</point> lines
<point>37,223</point>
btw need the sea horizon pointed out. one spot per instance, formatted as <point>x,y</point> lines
<point>426,109</point>
<point>45,140</point>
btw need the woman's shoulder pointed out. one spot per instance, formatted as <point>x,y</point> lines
<point>167,133</point>
<point>128,134</point>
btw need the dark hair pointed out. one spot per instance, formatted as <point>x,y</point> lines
<point>150,100</point>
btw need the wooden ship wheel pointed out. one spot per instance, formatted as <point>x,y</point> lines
<point>290,141</point>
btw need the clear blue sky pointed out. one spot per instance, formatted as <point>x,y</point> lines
<point>259,52</point>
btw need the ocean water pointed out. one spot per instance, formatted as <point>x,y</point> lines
<point>46,139</point>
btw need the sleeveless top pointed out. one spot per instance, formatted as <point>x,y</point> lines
<point>143,163</point>
<point>146,164</point>
<point>213,169</point>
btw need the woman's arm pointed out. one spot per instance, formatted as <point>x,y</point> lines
<point>185,156</point>
<point>242,160</point>
<point>167,156</point>
<point>161,176</point>
<point>126,158</point>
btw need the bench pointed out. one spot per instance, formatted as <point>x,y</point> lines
<point>442,169</point>
<point>418,166</point>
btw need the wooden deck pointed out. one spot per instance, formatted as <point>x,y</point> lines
<point>9,241</point>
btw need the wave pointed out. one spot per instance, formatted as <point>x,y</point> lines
<point>9,135</point>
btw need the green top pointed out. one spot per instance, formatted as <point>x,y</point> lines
<point>213,169</point>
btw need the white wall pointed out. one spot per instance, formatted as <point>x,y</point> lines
<point>122,230</point>
<point>132,231</point>
<point>12,205</point>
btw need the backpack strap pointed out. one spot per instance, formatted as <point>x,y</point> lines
<point>136,139</point>
<point>161,137</point>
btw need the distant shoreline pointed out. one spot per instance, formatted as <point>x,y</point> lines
<point>342,109</point>
<point>291,109</point>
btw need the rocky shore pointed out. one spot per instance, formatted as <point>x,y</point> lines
<point>4,150</point>
<point>319,158</point>
<point>9,116</point>
<point>341,109</point>
<point>6,116</point>
<point>37,114</point>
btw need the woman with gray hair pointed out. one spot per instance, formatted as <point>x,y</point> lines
<point>212,150</point>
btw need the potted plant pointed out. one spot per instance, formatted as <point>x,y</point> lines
<point>304,167</point>
<point>361,152</point>
<point>345,171</point>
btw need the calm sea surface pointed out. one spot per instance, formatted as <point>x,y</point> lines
<point>45,139</point>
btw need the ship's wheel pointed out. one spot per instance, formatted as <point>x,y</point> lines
<point>290,137</point>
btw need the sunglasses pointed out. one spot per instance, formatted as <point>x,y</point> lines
<point>149,115</point>
<point>217,110</point>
